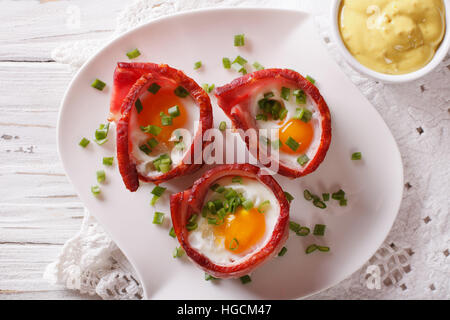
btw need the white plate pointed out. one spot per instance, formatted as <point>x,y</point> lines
<point>275,38</point>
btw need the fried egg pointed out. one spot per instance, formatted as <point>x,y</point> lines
<point>241,233</point>
<point>154,107</point>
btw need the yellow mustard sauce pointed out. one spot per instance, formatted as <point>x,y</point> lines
<point>392,36</point>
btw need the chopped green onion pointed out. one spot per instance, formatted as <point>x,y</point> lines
<point>261,116</point>
<point>154,88</point>
<point>262,206</point>
<point>164,167</point>
<point>319,229</point>
<point>245,279</point>
<point>282,252</point>
<point>222,126</point>
<point>178,252</point>
<point>299,112</point>
<point>212,221</point>
<point>152,143</point>
<point>325,196</point>
<point>310,79</point>
<point>303,159</point>
<point>101,134</point>
<point>145,149</point>
<point>258,66</point>
<point>197,65</point>
<point>239,40</point>
<point>165,119</point>
<point>323,248</point>
<point>226,63</point>
<point>307,115</point>
<point>172,233</point>
<point>158,218</point>
<point>285,93</point>
<point>311,248</point>
<point>343,202</point>
<point>191,226</point>
<point>154,130</point>
<point>181,92</point>
<point>283,113</point>
<point>208,88</point>
<point>101,176</point>
<point>210,277</point>
<point>307,194</point>
<point>98,84</point>
<point>234,247</point>
<point>303,231</point>
<point>238,68</point>
<point>294,226</point>
<point>215,187</point>
<point>339,195</point>
<point>237,179</point>
<point>158,191</point>
<point>357,156</point>
<point>95,190</point>
<point>174,111</point>
<point>300,96</point>
<point>240,60</point>
<point>154,200</point>
<point>277,144</point>
<point>84,142</point>
<point>319,203</point>
<point>108,161</point>
<point>247,204</point>
<point>288,196</point>
<point>291,143</point>
<point>133,54</point>
<point>162,163</point>
<point>230,193</point>
<point>138,105</point>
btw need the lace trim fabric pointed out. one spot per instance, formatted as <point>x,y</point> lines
<point>411,264</point>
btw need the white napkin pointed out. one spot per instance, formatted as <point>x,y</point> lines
<point>414,260</point>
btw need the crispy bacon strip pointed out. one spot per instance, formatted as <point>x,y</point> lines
<point>234,98</point>
<point>130,81</point>
<point>184,204</point>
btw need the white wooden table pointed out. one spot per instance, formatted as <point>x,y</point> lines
<point>39,209</point>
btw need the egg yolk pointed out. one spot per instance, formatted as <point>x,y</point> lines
<point>241,230</point>
<point>162,101</point>
<point>298,130</point>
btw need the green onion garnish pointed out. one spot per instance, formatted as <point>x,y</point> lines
<point>237,179</point>
<point>154,130</point>
<point>319,203</point>
<point>234,244</point>
<point>357,156</point>
<point>300,96</point>
<point>174,111</point>
<point>108,161</point>
<point>263,205</point>
<point>288,196</point>
<point>343,202</point>
<point>172,233</point>
<point>217,188</point>
<point>162,163</point>
<point>101,176</point>
<point>158,218</point>
<point>339,195</point>
<point>285,93</point>
<point>192,224</point>
<point>325,196</point>
<point>154,200</point>
<point>222,126</point>
<point>226,63</point>
<point>101,134</point>
<point>283,113</point>
<point>212,221</point>
<point>133,54</point>
<point>145,149</point>
<point>138,105</point>
<point>323,248</point>
<point>291,143</point>
<point>258,66</point>
<point>165,119</point>
<point>311,248</point>
<point>261,116</point>
<point>303,159</point>
<point>197,65</point>
<point>310,79</point>
<point>98,84</point>
<point>84,142</point>
<point>158,191</point>
<point>307,115</point>
<point>299,112</point>
<point>238,68</point>
<point>282,252</point>
<point>95,190</point>
<point>319,229</point>
<point>181,92</point>
<point>247,204</point>
<point>210,277</point>
<point>208,88</point>
<point>245,279</point>
<point>294,226</point>
<point>230,193</point>
<point>154,88</point>
<point>152,143</point>
<point>240,60</point>
<point>178,252</point>
<point>303,231</point>
<point>239,40</point>
<point>308,195</point>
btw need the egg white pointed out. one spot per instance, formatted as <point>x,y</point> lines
<point>203,239</point>
<point>291,106</point>
<point>144,162</point>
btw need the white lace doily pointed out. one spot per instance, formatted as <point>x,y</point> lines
<point>414,261</point>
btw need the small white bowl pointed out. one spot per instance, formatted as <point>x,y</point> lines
<point>438,57</point>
